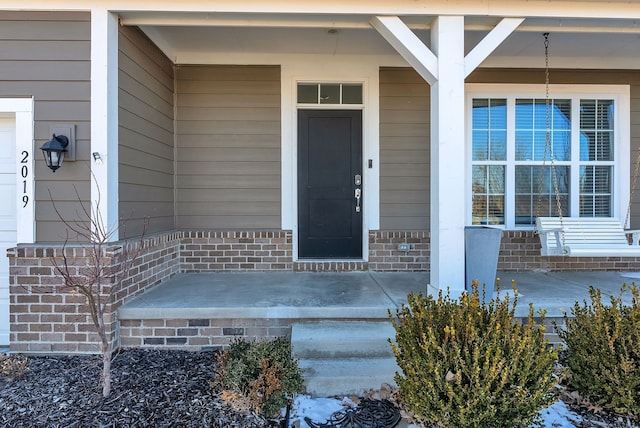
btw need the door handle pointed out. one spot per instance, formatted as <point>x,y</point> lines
<point>358,195</point>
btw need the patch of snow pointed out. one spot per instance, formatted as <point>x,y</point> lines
<point>558,415</point>
<point>319,410</point>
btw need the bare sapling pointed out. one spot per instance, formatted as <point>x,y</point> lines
<point>107,266</point>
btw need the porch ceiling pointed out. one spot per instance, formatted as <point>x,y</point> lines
<point>267,38</point>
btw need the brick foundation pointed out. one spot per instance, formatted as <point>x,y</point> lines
<point>196,334</point>
<point>330,266</point>
<point>46,317</point>
<point>384,255</point>
<point>520,252</point>
<point>236,251</point>
<point>199,334</point>
<point>551,332</point>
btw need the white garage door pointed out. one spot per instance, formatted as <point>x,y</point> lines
<point>8,234</point>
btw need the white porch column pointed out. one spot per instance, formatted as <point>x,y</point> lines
<point>445,67</point>
<point>104,119</point>
<point>448,166</point>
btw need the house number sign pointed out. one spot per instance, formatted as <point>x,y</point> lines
<point>25,176</point>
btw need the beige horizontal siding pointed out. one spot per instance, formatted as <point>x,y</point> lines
<point>46,55</point>
<point>229,221</point>
<point>225,100</point>
<point>228,147</point>
<point>217,169</point>
<point>43,70</point>
<point>146,134</point>
<point>226,127</point>
<point>404,150</point>
<point>230,140</point>
<point>69,91</point>
<point>248,87</point>
<point>192,114</point>
<point>243,195</point>
<point>219,76</point>
<point>224,154</point>
<point>195,182</point>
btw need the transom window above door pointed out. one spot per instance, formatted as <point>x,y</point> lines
<point>530,159</point>
<point>329,93</point>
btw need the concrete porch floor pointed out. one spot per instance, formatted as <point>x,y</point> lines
<point>353,295</point>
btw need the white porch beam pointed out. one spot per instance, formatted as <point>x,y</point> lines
<point>104,119</point>
<point>408,45</point>
<point>448,197</point>
<point>248,20</point>
<point>619,9</point>
<point>613,9</point>
<point>489,43</point>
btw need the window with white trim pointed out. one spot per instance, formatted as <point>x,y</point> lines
<point>528,158</point>
<point>329,93</point>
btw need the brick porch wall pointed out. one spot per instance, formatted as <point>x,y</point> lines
<point>384,255</point>
<point>231,251</point>
<point>520,252</point>
<point>196,334</point>
<point>46,316</point>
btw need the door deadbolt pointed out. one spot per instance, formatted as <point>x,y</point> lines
<point>358,180</point>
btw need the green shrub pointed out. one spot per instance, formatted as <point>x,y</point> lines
<point>262,374</point>
<point>466,364</point>
<point>603,351</point>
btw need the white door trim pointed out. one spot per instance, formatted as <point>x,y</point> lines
<point>333,69</point>
<point>22,108</point>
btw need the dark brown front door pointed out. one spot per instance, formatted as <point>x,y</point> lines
<point>330,184</point>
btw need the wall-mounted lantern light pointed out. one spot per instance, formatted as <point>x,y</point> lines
<point>54,151</point>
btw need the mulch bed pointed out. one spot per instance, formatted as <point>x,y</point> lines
<point>593,416</point>
<point>150,388</point>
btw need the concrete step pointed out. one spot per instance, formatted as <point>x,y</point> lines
<point>335,339</point>
<point>346,376</point>
<point>341,358</point>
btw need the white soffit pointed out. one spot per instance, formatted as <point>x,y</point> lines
<point>252,38</point>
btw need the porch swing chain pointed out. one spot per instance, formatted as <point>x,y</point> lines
<point>548,149</point>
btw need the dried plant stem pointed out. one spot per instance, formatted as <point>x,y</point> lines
<point>102,277</point>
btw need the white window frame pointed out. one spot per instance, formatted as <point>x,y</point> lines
<point>337,106</point>
<point>620,94</point>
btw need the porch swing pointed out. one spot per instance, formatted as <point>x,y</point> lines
<point>580,236</point>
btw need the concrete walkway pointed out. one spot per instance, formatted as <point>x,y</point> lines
<point>345,295</point>
<point>556,292</point>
